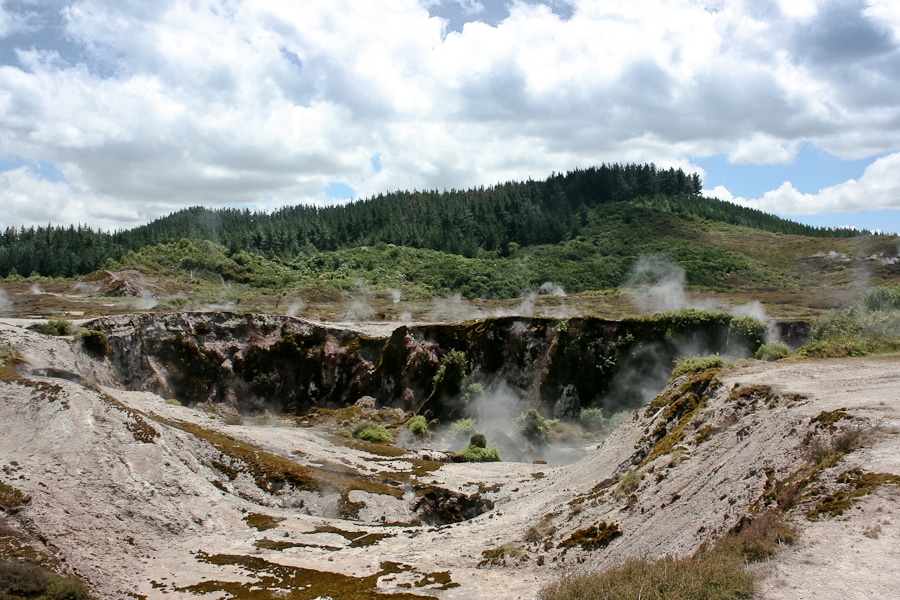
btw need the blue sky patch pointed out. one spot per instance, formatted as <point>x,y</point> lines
<point>339,191</point>
<point>810,171</point>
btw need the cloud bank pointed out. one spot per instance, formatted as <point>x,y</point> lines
<point>114,113</point>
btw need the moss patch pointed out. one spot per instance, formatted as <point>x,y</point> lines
<point>11,499</point>
<point>270,471</point>
<point>357,539</point>
<point>136,424</point>
<point>854,485</point>
<point>677,409</point>
<point>262,522</point>
<point>592,538</point>
<point>279,581</point>
<point>497,557</point>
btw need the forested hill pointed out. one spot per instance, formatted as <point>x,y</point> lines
<point>491,219</point>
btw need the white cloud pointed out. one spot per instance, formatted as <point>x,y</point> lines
<point>878,188</point>
<point>265,103</point>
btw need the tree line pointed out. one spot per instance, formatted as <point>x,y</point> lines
<point>492,219</point>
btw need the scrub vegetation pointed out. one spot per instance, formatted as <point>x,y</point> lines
<point>582,230</point>
<point>870,326</point>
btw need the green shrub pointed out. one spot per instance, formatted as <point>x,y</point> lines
<point>95,342</point>
<point>619,417</point>
<point>473,390</point>
<point>54,327</point>
<point>461,427</point>
<point>746,334</point>
<point>592,419</point>
<point>65,589</point>
<point>417,425</point>
<point>458,431</point>
<point>871,326</point>
<point>476,454</point>
<point>628,484</point>
<point>12,498</point>
<point>881,298</point>
<point>59,327</point>
<point>370,431</point>
<point>451,374</point>
<point>695,364</point>
<point>25,580</point>
<point>534,427</point>
<point>773,351</point>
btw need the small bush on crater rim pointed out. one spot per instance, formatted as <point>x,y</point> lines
<point>694,364</point>
<point>773,351</point>
<point>370,431</point>
<point>477,454</point>
<point>417,425</point>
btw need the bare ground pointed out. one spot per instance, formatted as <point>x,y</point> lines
<point>138,515</point>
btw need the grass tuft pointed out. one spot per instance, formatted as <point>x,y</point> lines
<point>696,364</point>
<point>709,576</point>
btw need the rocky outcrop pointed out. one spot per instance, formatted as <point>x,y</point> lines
<point>251,361</point>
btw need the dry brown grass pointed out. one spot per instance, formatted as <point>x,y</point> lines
<point>710,576</point>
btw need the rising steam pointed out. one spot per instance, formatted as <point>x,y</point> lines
<point>657,284</point>
<point>5,304</point>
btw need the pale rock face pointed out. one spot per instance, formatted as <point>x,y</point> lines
<point>138,494</point>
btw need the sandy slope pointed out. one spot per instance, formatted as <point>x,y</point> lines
<point>134,516</point>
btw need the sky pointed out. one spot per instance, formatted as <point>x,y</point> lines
<point>116,112</point>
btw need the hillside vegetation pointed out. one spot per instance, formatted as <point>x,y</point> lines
<point>595,221</point>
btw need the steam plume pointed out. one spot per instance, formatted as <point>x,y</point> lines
<point>5,304</point>
<point>657,284</point>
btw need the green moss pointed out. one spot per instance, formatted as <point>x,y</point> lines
<point>10,357</point>
<point>270,471</point>
<point>370,431</point>
<point>593,537</point>
<point>357,539</point>
<point>829,419</point>
<point>278,545</point>
<point>695,364</point>
<point>677,409</point>
<point>703,434</point>
<point>272,579</point>
<point>854,485</point>
<point>262,522</point>
<point>12,499</point>
<point>496,557</point>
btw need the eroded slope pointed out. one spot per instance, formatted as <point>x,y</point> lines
<point>140,496</point>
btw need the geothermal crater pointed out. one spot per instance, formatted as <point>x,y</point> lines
<point>210,455</point>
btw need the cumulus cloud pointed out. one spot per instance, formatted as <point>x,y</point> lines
<point>147,107</point>
<point>878,188</point>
